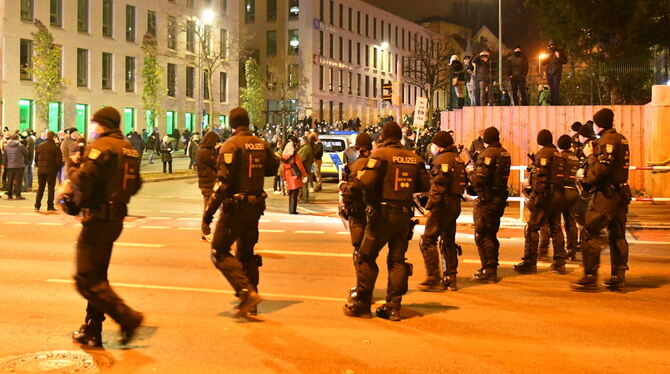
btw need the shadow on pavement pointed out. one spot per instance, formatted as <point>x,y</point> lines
<point>264,308</point>
<point>408,310</point>
<point>111,339</point>
<point>642,282</point>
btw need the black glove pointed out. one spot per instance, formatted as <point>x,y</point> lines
<point>470,190</point>
<point>207,218</point>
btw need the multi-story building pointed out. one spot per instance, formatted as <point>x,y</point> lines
<point>102,60</point>
<point>341,51</point>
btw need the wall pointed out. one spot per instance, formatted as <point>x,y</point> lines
<point>519,127</point>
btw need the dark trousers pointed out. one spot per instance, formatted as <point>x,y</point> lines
<point>519,84</point>
<point>94,250</point>
<point>239,226</point>
<point>554,82</point>
<point>483,93</point>
<point>392,228</point>
<point>441,224</point>
<point>42,181</point>
<point>167,165</point>
<point>14,181</point>
<point>569,223</point>
<point>204,227</point>
<point>293,200</point>
<point>357,232</point>
<point>487,214</point>
<point>547,209</point>
<point>606,211</point>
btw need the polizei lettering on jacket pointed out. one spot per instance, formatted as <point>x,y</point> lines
<point>254,146</point>
<point>404,160</point>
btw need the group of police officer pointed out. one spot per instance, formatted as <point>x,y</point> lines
<point>378,193</point>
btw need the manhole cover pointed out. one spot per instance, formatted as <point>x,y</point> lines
<point>50,362</point>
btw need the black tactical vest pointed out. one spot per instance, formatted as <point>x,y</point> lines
<point>125,176</point>
<point>250,161</point>
<point>503,165</point>
<point>571,167</point>
<point>401,172</point>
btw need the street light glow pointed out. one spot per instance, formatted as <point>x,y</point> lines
<point>208,16</point>
<point>542,56</point>
<point>384,45</point>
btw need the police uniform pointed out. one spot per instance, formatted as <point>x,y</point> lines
<point>607,173</point>
<point>448,182</point>
<point>546,203</point>
<point>106,179</point>
<point>391,176</point>
<point>489,183</point>
<point>244,161</point>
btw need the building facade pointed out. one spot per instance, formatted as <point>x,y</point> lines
<point>341,51</point>
<point>102,61</point>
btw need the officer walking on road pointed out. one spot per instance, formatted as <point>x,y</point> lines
<point>352,193</point>
<point>391,176</point>
<point>244,160</point>
<point>571,194</point>
<point>607,174</point>
<point>546,202</point>
<point>106,178</point>
<point>488,181</point>
<point>443,208</point>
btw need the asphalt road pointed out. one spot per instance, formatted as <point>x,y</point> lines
<point>524,324</point>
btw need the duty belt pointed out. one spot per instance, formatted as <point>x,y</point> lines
<point>388,207</point>
<point>105,211</point>
<point>244,200</point>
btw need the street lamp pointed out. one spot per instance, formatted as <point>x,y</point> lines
<point>382,47</point>
<point>541,57</point>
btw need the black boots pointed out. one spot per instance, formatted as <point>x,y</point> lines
<point>89,334</point>
<point>449,282</point>
<point>431,285</point>
<point>617,282</point>
<point>389,311</point>
<point>248,301</point>
<point>486,275</point>
<point>129,326</point>
<point>588,283</point>
<point>558,268</point>
<point>525,267</point>
<point>355,307</point>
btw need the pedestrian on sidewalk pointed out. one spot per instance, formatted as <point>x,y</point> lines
<point>151,146</point>
<point>192,149</point>
<point>68,147</point>
<point>15,158</point>
<point>294,173</point>
<point>29,142</point>
<point>166,154</point>
<point>318,160</point>
<point>176,135</point>
<point>205,163</point>
<point>278,183</point>
<point>48,160</point>
<point>307,157</point>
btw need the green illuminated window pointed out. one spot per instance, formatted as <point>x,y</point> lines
<point>55,116</point>
<point>129,119</point>
<point>189,120</point>
<point>25,114</point>
<point>171,120</point>
<point>82,117</point>
<point>222,121</point>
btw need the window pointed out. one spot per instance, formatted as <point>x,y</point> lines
<point>374,87</point>
<point>190,75</point>
<point>340,80</point>
<point>106,71</point>
<point>367,56</point>
<point>293,9</point>
<point>130,23</point>
<point>320,43</point>
<point>358,22</point>
<point>293,75</point>
<point>358,53</point>
<point>396,36</point>
<point>332,12</point>
<point>351,16</point>
<point>82,15</point>
<point>331,77</point>
<point>374,28</point>
<point>189,120</point>
<point>341,49</point>
<point>250,11</point>
<point>271,43</point>
<point>172,33</point>
<point>170,121</point>
<point>224,6</point>
<point>223,43</point>
<point>341,20</point>
<point>272,10</point>
<point>223,87</point>
<point>382,31</point>
<point>206,39</point>
<point>321,77</point>
<point>26,59</point>
<point>349,81</point>
<point>55,116</point>
<point>330,45</point>
<point>374,58</point>
<point>403,38</point>
<point>129,120</point>
<point>172,80</point>
<point>367,26</point>
<point>82,118</point>
<point>205,84</point>
<point>367,86</point>
<point>190,36</point>
<point>82,67</point>
<point>56,13</point>
<point>321,11</point>
<point>358,85</point>
<point>151,22</point>
<point>27,10</point>
<point>25,114</point>
<point>130,74</point>
<point>293,42</point>
<point>107,18</point>
<point>349,45</point>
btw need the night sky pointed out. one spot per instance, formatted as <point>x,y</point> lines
<point>474,13</point>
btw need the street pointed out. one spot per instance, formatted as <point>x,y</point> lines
<point>524,324</point>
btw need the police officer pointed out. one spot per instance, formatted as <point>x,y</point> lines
<point>106,178</point>
<point>391,176</point>
<point>546,201</point>
<point>586,136</point>
<point>244,160</point>
<point>488,181</point>
<point>352,195</point>
<point>448,182</point>
<point>571,194</point>
<point>607,172</point>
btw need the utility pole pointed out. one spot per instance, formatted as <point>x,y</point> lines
<point>500,44</point>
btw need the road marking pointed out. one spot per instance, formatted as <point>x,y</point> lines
<point>49,224</point>
<point>308,232</point>
<point>6,214</point>
<point>154,227</point>
<point>268,230</point>
<point>158,218</point>
<point>646,242</point>
<point>303,253</point>
<point>140,245</point>
<point>188,219</point>
<point>342,233</point>
<point>16,223</point>
<point>264,220</point>
<point>27,214</point>
<point>208,290</point>
<point>188,228</point>
<point>171,211</point>
<point>292,221</point>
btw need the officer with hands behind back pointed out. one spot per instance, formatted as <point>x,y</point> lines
<point>104,180</point>
<point>448,182</point>
<point>244,161</point>
<point>391,176</point>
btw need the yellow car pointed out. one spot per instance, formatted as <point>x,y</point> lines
<point>333,151</point>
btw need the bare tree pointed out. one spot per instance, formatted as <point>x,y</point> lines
<point>287,84</point>
<point>428,68</point>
